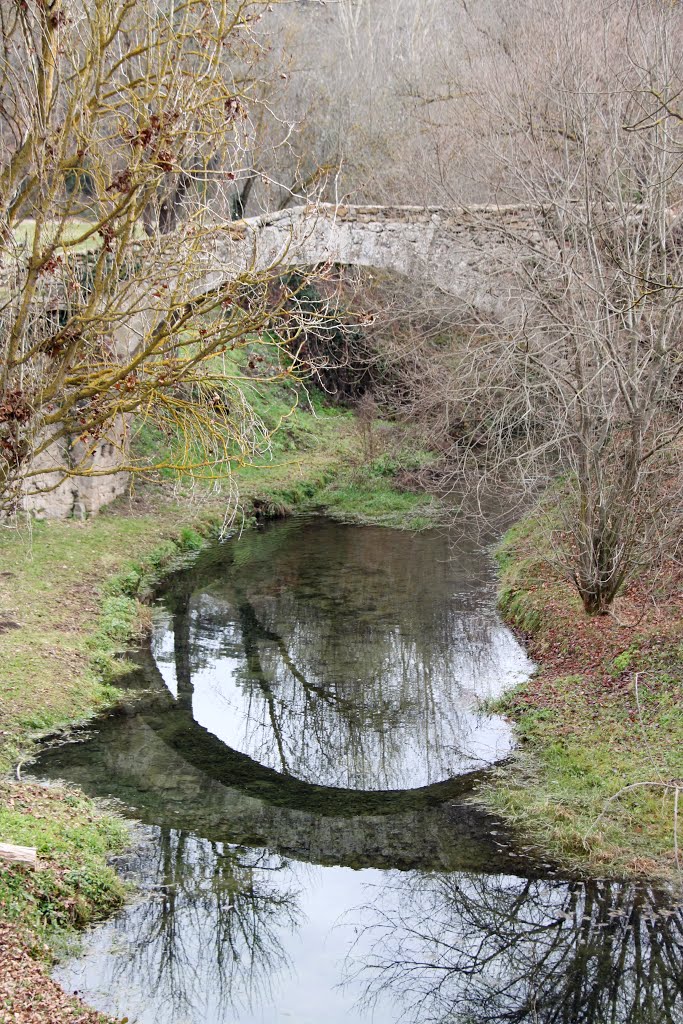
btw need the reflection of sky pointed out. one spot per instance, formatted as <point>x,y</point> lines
<point>374,686</point>
<point>457,738</point>
<point>176,979</point>
<point>451,947</point>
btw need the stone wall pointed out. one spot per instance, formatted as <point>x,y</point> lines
<point>60,492</point>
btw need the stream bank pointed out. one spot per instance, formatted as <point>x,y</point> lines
<point>600,724</point>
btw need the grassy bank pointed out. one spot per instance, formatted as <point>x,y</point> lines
<point>71,887</point>
<point>600,724</point>
<point>72,598</point>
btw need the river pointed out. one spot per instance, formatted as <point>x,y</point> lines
<point>301,742</point>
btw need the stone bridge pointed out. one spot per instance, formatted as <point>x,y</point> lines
<point>450,249</point>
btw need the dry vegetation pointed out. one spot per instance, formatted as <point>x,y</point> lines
<point>28,995</point>
<point>600,769</point>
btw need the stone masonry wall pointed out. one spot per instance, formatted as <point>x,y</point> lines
<point>56,494</point>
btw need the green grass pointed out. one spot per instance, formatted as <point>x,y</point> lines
<point>366,492</point>
<point>365,501</point>
<point>568,787</point>
<point>24,233</point>
<point>72,885</point>
<point>292,419</point>
<point>600,724</point>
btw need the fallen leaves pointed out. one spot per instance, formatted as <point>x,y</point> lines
<point>27,993</point>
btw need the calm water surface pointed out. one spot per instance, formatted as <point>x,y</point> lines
<point>304,733</point>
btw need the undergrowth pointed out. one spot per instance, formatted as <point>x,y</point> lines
<point>600,723</point>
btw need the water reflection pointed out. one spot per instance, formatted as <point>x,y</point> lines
<point>353,658</point>
<point>229,934</point>
<point>168,771</point>
<point>478,949</point>
<point>207,941</point>
<point>248,936</point>
<point>315,654</point>
<point>215,927</point>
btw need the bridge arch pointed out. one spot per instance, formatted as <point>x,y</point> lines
<point>452,249</point>
<point>449,248</point>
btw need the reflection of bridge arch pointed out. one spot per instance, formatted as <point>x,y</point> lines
<point>171,772</point>
<point>173,722</point>
<point>280,688</point>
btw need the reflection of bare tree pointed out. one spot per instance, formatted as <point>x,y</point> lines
<point>475,949</point>
<point>213,931</point>
<point>354,666</point>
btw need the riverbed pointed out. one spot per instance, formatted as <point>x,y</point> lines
<point>304,734</point>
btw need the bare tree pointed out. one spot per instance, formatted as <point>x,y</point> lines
<point>364,90</point>
<point>458,947</point>
<point>578,380</point>
<point>123,129</point>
